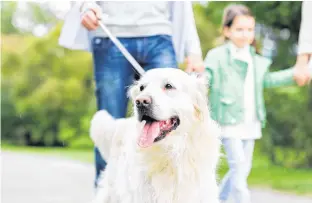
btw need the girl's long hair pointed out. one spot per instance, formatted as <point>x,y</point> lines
<point>229,14</point>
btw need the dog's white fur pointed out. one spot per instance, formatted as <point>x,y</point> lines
<point>181,168</point>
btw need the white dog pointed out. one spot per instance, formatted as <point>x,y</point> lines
<point>168,151</point>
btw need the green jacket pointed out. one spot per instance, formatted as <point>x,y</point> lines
<point>226,76</point>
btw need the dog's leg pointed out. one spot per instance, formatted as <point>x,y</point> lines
<point>102,130</point>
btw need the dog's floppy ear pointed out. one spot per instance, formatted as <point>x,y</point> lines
<point>201,91</point>
<point>201,81</point>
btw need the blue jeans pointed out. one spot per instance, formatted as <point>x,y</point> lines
<point>114,74</point>
<point>239,156</point>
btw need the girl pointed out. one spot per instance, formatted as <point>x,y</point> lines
<point>237,76</point>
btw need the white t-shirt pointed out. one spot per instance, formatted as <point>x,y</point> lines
<point>251,127</point>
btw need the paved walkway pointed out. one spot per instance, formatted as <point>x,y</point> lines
<point>40,179</point>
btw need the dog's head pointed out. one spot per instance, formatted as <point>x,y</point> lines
<point>168,102</point>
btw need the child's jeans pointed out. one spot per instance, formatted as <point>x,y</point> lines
<point>239,155</point>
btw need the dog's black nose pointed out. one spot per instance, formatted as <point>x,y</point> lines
<point>143,102</point>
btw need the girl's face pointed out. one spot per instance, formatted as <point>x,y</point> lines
<point>242,30</point>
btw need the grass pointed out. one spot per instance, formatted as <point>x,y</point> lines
<point>266,175</point>
<point>84,155</point>
<point>263,174</point>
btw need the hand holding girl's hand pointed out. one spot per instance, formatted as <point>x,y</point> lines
<point>302,74</point>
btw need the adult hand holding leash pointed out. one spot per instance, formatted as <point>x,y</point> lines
<point>91,19</point>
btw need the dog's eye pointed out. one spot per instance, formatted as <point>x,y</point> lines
<point>142,88</point>
<point>168,86</point>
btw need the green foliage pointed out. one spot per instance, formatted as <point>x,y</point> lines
<point>41,14</point>
<point>7,11</point>
<point>288,137</point>
<point>207,31</point>
<point>50,91</point>
<point>282,14</point>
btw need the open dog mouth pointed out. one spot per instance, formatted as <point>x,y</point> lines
<point>155,130</point>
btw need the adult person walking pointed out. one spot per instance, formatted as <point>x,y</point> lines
<point>157,34</point>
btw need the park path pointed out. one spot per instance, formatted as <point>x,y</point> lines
<point>30,178</point>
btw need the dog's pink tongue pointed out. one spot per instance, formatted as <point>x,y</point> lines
<point>148,135</point>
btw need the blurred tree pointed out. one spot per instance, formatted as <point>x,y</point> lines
<point>7,10</point>
<point>282,14</point>
<point>26,19</point>
<point>12,48</point>
<point>41,13</point>
<point>208,32</point>
<point>52,88</point>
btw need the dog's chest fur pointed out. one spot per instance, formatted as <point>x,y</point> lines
<point>183,173</point>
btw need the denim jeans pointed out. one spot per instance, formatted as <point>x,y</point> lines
<point>114,74</point>
<point>239,155</point>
